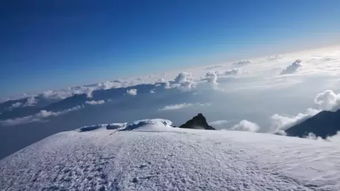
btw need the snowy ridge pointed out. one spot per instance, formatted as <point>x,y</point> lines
<point>139,125</point>
<point>152,155</point>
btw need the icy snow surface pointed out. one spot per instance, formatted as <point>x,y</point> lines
<point>152,155</point>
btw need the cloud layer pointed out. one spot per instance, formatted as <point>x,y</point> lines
<point>42,116</point>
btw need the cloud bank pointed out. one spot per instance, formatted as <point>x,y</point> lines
<point>95,102</point>
<point>42,116</point>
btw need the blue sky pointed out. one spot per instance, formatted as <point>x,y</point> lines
<point>54,44</point>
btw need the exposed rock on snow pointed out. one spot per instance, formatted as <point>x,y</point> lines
<point>197,122</point>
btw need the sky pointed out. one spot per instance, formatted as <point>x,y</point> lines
<point>55,44</point>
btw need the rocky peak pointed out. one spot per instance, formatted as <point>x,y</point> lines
<point>197,122</point>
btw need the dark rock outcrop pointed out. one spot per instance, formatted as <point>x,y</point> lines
<point>197,122</point>
<point>323,124</point>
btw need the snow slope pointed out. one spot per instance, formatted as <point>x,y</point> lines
<point>152,155</point>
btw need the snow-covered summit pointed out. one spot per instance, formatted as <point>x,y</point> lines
<point>152,155</point>
<point>150,125</point>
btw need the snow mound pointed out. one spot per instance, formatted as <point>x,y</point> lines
<point>140,125</point>
<point>149,125</point>
<point>150,154</point>
<point>116,126</point>
<point>91,127</point>
<point>110,126</point>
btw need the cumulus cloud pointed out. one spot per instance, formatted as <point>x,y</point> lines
<point>42,116</point>
<point>211,77</point>
<point>328,100</point>
<point>16,105</point>
<point>292,68</point>
<point>182,77</point>
<point>181,106</point>
<point>108,85</point>
<point>30,101</point>
<point>219,124</point>
<point>71,91</point>
<point>245,125</point>
<point>183,81</point>
<point>132,92</point>
<point>52,94</point>
<point>95,102</point>
<point>281,122</point>
<point>230,72</point>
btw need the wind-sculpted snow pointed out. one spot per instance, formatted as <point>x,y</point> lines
<point>151,157</point>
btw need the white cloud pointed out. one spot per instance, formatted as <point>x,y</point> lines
<point>219,123</point>
<point>182,106</point>
<point>108,85</point>
<point>292,68</point>
<point>52,94</point>
<point>280,122</point>
<point>242,62</point>
<point>183,81</point>
<point>39,117</point>
<point>71,91</point>
<point>95,102</point>
<point>176,106</point>
<point>132,92</point>
<point>45,113</point>
<point>16,105</point>
<point>182,77</point>
<point>211,77</point>
<point>245,125</point>
<point>229,72</point>
<point>328,100</point>
<point>30,101</point>
<point>89,91</point>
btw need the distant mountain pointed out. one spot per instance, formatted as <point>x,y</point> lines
<point>323,124</point>
<point>197,122</point>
